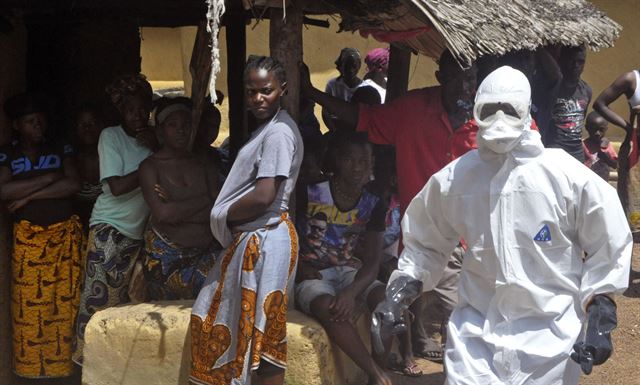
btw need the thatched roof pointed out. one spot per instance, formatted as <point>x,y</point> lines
<point>472,28</point>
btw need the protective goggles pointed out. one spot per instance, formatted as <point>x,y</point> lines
<point>487,113</point>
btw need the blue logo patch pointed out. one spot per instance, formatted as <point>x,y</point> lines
<point>544,235</point>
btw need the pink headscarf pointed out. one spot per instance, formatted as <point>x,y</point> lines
<point>377,60</point>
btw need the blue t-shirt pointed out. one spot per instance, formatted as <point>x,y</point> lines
<point>42,212</point>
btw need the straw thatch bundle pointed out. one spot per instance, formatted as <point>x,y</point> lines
<point>472,28</point>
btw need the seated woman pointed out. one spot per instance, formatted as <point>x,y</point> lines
<point>180,190</point>
<point>88,126</point>
<point>38,177</point>
<point>332,278</point>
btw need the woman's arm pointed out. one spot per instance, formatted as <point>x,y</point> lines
<point>120,185</point>
<point>347,112</point>
<point>619,87</point>
<point>66,186</point>
<point>253,204</point>
<point>11,190</point>
<point>163,209</point>
<point>62,188</point>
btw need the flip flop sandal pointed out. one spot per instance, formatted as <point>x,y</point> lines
<point>431,351</point>
<point>398,366</point>
<point>431,355</point>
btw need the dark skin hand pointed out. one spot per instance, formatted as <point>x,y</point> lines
<point>625,85</point>
<point>306,271</point>
<point>342,305</point>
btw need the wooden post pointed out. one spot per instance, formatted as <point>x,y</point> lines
<point>236,59</point>
<point>398,76</point>
<point>285,44</point>
<point>200,68</point>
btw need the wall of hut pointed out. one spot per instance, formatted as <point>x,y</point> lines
<point>13,46</point>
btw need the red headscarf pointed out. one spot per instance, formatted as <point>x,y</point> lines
<point>377,60</point>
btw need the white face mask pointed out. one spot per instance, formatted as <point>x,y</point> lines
<point>502,134</point>
<point>501,109</point>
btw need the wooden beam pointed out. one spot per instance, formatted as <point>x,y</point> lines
<point>285,44</point>
<point>236,59</point>
<point>200,69</point>
<point>398,75</point>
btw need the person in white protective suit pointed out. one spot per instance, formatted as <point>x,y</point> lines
<point>548,243</point>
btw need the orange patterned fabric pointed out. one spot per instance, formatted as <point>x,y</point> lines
<point>45,292</point>
<point>232,336</point>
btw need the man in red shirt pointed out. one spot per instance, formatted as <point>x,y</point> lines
<point>429,127</point>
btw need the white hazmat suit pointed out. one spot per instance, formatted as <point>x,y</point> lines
<point>544,235</point>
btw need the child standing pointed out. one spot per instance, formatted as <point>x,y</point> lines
<point>598,152</point>
<point>238,322</point>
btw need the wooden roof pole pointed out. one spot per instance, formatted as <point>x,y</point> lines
<point>236,60</point>
<point>285,44</point>
<point>398,75</point>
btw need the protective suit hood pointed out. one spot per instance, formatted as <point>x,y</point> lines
<point>502,110</point>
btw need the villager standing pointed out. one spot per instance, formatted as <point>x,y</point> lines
<point>377,61</point>
<point>343,86</point>
<point>567,102</point>
<point>627,84</point>
<point>38,178</point>
<point>180,188</point>
<point>238,323</point>
<point>120,213</point>
<point>88,126</point>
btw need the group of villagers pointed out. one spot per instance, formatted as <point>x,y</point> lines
<point>146,213</point>
<point>96,223</point>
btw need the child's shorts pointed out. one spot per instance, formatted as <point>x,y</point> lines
<point>334,280</point>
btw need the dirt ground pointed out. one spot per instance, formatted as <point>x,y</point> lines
<point>621,369</point>
<point>623,366</point>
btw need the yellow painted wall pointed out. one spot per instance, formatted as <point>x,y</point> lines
<point>322,46</point>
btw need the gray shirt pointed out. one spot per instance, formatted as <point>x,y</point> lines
<point>274,149</point>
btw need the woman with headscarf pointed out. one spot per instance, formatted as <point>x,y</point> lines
<point>120,212</point>
<point>377,61</point>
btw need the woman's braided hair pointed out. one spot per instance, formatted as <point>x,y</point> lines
<point>255,62</point>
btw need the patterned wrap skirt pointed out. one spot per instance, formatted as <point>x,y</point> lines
<point>240,315</point>
<point>172,272</point>
<point>45,291</point>
<point>110,260</point>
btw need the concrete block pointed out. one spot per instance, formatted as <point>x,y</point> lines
<point>150,344</point>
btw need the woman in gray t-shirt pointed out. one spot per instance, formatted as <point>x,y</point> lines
<point>238,322</point>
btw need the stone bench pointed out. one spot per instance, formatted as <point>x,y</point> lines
<point>149,344</point>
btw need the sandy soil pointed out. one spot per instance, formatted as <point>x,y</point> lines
<point>621,369</point>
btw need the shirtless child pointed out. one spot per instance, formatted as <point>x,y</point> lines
<point>180,190</point>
